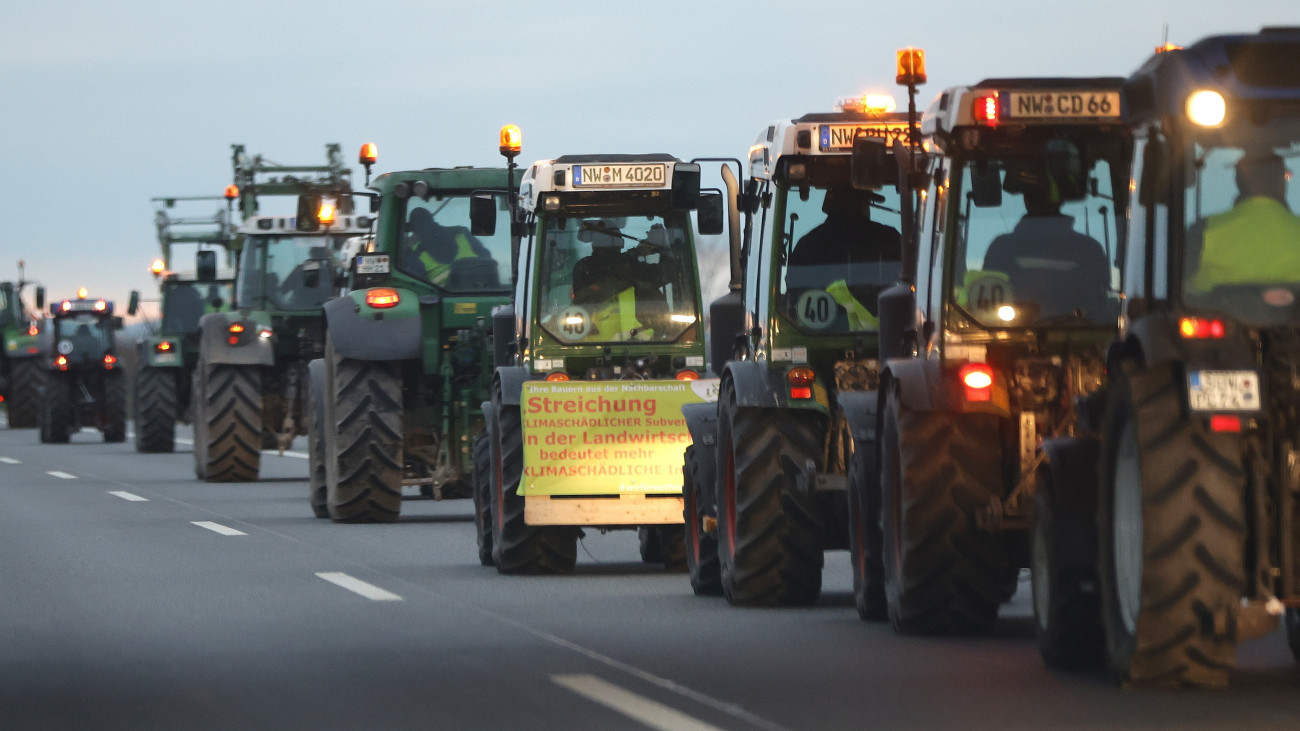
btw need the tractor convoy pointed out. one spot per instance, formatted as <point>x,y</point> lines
<point>1046,330</point>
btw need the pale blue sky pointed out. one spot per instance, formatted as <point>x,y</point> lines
<point>109,104</point>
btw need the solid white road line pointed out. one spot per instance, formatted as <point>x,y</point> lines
<point>357,586</point>
<point>9,460</point>
<point>218,528</point>
<point>648,712</point>
<point>298,455</point>
<point>61,475</point>
<point>132,497</point>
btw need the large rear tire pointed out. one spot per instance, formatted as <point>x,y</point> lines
<point>58,410</point>
<point>1173,535</point>
<point>1063,560</point>
<point>770,533</point>
<point>155,409</point>
<point>114,407</point>
<point>368,433</point>
<point>24,402</point>
<point>864,533</point>
<point>664,545</point>
<point>482,498</point>
<point>519,548</point>
<point>317,495</point>
<point>701,547</point>
<point>231,417</point>
<point>943,574</point>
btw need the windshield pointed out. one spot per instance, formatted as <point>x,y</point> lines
<point>436,245</point>
<point>611,278</point>
<point>293,272</point>
<point>185,302</point>
<point>1035,239</point>
<point>8,312</point>
<point>1242,233</point>
<point>83,337</point>
<point>842,247</point>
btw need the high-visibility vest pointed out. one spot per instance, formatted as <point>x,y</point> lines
<point>616,319</point>
<point>859,317</point>
<point>1257,242</point>
<point>437,271</point>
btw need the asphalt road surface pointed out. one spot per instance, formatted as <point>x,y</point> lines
<point>133,596</point>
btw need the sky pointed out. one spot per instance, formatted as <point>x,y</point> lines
<point>107,105</point>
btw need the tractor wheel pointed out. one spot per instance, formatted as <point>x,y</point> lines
<point>368,437</point>
<point>1067,607</point>
<point>1173,536</point>
<point>198,397</point>
<point>1293,632</point>
<point>113,407</point>
<point>943,574</point>
<point>482,502</point>
<point>770,534</point>
<point>155,409</point>
<point>701,548</point>
<point>24,402</point>
<point>519,548</point>
<point>864,533</point>
<point>58,411</point>
<point>664,545</point>
<point>316,395</point>
<point>230,421</point>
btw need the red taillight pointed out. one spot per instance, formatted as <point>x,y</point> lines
<point>381,298</point>
<point>162,347</point>
<point>985,109</point>
<point>557,376</point>
<point>109,361</point>
<point>977,379</point>
<point>236,328</point>
<point>1200,328</point>
<point>1225,423</point>
<point>687,374</point>
<point>233,340</point>
<point>800,376</point>
<point>800,392</point>
<point>61,363</point>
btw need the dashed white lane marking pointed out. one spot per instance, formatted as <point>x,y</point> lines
<point>218,528</point>
<point>298,455</point>
<point>61,475</point>
<point>648,712</point>
<point>357,586</point>
<point>9,460</point>
<point>132,497</point>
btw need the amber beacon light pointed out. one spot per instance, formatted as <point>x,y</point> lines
<point>512,140</point>
<point>911,67</point>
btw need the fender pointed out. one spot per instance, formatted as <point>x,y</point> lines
<point>859,409</point>
<point>149,355</point>
<point>919,382</point>
<point>214,347</point>
<point>1072,463</point>
<point>510,379</point>
<point>361,332</point>
<point>1153,341</point>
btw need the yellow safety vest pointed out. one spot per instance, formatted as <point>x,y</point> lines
<point>859,317</point>
<point>1257,242</point>
<point>616,319</point>
<point>437,271</point>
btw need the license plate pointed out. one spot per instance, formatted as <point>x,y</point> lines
<point>1063,105</point>
<point>616,176</point>
<point>1223,390</point>
<point>372,264</point>
<point>165,358</point>
<point>840,136</point>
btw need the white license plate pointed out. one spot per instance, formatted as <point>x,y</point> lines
<point>1223,390</point>
<point>165,358</point>
<point>373,264</point>
<point>1063,105</point>
<point>840,136</point>
<point>615,176</point>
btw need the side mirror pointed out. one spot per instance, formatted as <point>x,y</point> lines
<point>205,266</point>
<point>117,322</point>
<point>985,185</point>
<point>308,208</point>
<point>40,298</point>
<point>374,203</point>
<point>869,164</point>
<point>311,274</point>
<point>345,205</point>
<point>1065,169</point>
<point>133,304</point>
<point>686,186</point>
<point>710,216</point>
<point>1153,185</point>
<point>483,214</point>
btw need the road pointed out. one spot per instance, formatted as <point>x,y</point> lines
<point>133,596</point>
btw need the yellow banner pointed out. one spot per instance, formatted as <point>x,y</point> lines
<point>607,437</point>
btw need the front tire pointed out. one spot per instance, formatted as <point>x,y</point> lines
<point>317,495</point>
<point>113,410</point>
<point>482,498</point>
<point>155,409</point>
<point>701,547</point>
<point>770,533</point>
<point>1173,536</point>
<point>368,433</point>
<point>58,411</point>
<point>24,402</point>
<point>943,573</point>
<point>231,419</point>
<point>864,533</point>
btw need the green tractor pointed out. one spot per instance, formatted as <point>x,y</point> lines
<point>250,385</point>
<point>601,346</point>
<point>795,343</point>
<point>407,360</point>
<point>20,368</point>
<point>994,348</point>
<point>83,384</point>
<point>168,355</point>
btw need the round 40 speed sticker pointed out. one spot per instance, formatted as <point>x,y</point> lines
<point>574,324</point>
<point>816,309</point>
<point>989,292</point>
